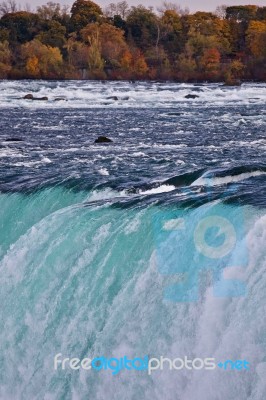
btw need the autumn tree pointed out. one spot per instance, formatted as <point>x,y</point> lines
<point>256,38</point>
<point>5,59</point>
<point>41,60</point>
<point>186,66</point>
<point>112,44</point>
<point>139,65</point>
<point>77,56</point>
<point>210,63</point>
<point>238,18</point>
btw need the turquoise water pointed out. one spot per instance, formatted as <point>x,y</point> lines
<point>86,261</point>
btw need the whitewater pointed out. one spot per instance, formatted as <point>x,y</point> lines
<point>99,250</point>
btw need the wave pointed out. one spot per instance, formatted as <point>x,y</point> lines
<point>234,176</point>
<point>95,94</point>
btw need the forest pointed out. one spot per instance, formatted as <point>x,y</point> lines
<point>121,42</point>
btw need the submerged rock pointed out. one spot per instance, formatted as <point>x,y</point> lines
<point>112,98</point>
<point>191,96</point>
<point>31,97</point>
<point>14,139</point>
<point>103,139</point>
<point>40,98</point>
<point>60,99</point>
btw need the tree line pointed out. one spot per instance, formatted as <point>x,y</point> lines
<point>122,42</point>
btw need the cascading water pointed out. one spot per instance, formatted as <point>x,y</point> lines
<point>87,268</point>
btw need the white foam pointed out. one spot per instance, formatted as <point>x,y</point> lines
<point>103,171</point>
<point>205,181</point>
<point>91,94</point>
<point>159,189</point>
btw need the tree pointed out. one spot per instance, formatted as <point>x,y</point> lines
<point>210,63</point>
<point>205,30</point>
<point>52,11</point>
<point>117,9</point>
<point>234,72</point>
<point>139,65</point>
<point>256,38</point>
<point>261,14</point>
<point>143,27</point>
<point>220,11</point>
<point>95,61</point>
<point>5,59</point>
<point>111,41</point>
<point>238,18</point>
<point>22,26</point>
<point>241,14</point>
<point>41,61</point>
<point>77,52</point>
<point>168,6</point>
<point>84,12</point>
<point>54,35</point>
<point>186,66</point>
<point>171,33</point>
<point>8,6</point>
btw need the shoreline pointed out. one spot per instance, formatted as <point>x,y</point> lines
<point>191,82</point>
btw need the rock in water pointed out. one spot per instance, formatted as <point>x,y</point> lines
<point>191,96</point>
<point>14,139</point>
<point>31,97</point>
<point>112,98</point>
<point>40,98</point>
<point>103,139</point>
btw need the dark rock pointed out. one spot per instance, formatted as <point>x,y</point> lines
<point>112,98</point>
<point>40,98</point>
<point>28,97</point>
<point>103,139</point>
<point>31,97</point>
<point>15,139</point>
<point>191,96</point>
<point>60,99</point>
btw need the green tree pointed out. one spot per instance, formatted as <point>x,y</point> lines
<point>143,27</point>
<point>84,12</point>
<point>53,35</point>
<point>22,26</point>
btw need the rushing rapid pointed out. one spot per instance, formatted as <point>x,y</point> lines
<point>83,260</point>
